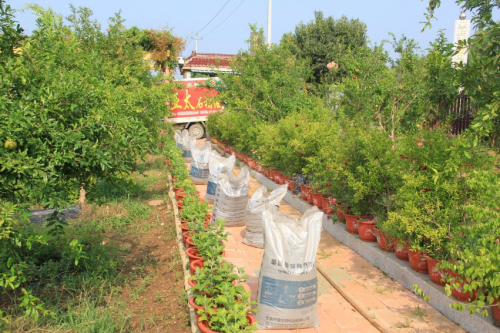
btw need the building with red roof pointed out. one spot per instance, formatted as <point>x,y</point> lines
<point>207,64</point>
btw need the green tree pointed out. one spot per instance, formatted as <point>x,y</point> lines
<point>76,105</point>
<point>324,40</point>
<point>479,77</point>
<point>271,82</point>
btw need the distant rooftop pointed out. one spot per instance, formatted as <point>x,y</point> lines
<point>206,63</point>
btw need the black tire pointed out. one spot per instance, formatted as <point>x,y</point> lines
<point>197,130</point>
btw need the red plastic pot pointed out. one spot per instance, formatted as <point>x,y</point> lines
<point>366,231</point>
<point>401,248</point>
<point>185,235</point>
<point>317,200</point>
<point>418,261</point>
<point>192,253</point>
<point>384,242</point>
<point>195,307</point>
<point>325,203</point>
<point>189,242</point>
<point>185,227</point>
<point>459,294</point>
<point>194,265</point>
<point>435,274</point>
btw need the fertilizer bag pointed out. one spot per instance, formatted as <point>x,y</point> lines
<point>231,197</point>
<point>288,288</point>
<point>215,164</point>
<point>187,140</point>
<point>255,208</point>
<point>199,162</point>
<point>178,138</point>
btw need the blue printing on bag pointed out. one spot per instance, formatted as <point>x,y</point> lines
<point>186,153</point>
<point>198,173</point>
<point>288,294</point>
<point>211,187</point>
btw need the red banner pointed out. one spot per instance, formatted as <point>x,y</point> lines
<point>195,100</point>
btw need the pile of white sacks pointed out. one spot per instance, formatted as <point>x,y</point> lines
<point>288,288</point>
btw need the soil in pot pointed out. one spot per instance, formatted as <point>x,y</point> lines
<point>435,274</point>
<point>418,261</point>
<point>401,247</point>
<point>366,230</point>
<point>384,242</point>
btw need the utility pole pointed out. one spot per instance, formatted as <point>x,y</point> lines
<point>269,14</point>
<point>196,42</point>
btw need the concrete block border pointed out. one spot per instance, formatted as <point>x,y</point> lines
<point>388,263</point>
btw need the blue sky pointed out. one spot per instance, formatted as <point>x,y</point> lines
<point>188,17</point>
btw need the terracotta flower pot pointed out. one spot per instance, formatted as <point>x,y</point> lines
<point>325,202</point>
<point>203,325</point>
<point>318,200</point>
<point>304,192</point>
<point>251,163</point>
<point>459,294</point>
<point>366,231</point>
<point>401,248</point>
<point>496,312</point>
<point>384,242</point>
<point>435,274</point>
<point>418,261</point>
<point>352,222</point>
<point>340,212</point>
<point>310,196</point>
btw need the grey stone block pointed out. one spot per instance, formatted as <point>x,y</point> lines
<point>39,216</point>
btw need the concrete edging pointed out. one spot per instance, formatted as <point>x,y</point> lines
<point>388,263</point>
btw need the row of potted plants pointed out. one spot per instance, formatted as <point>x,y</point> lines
<point>432,197</point>
<point>220,301</point>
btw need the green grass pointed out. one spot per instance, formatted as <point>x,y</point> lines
<point>82,297</point>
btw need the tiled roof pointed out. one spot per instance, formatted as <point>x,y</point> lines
<point>208,60</point>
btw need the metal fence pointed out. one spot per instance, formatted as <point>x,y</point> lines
<point>461,111</point>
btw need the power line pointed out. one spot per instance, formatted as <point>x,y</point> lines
<point>214,16</point>
<point>224,19</point>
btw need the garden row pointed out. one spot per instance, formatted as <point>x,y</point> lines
<point>428,194</point>
<point>221,303</point>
